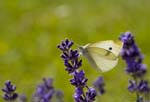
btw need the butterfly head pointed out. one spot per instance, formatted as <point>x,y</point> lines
<point>81,49</point>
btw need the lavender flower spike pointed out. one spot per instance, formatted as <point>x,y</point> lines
<point>44,91</point>
<point>9,92</point>
<point>99,85</point>
<point>132,55</point>
<point>135,67</point>
<point>73,63</point>
<point>70,57</point>
<point>90,95</point>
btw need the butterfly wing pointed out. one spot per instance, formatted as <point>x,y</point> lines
<point>102,52</point>
<point>103,55</point>
<point>109,45</point>
<point>96,57</point>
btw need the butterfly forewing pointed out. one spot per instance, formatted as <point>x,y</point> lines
<point>102,52</point>
<point>110,45</point>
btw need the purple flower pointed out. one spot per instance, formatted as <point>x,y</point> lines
<point>73,63</point>
<point>44,91</point>
<point>132,86</point>
<point>132,55</point>
<point>135,67</point>
<point>78,96</point>
<point>143,86</point>
<point>70,57</point>
<point>9,91</point>
<point>90,95</point>
<point>65,45</point>
<point>79,80</point>
<point>99,85</point>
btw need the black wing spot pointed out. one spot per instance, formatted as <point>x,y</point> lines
<point>110,48</point>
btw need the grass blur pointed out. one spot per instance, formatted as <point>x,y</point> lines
<point>31,29</point>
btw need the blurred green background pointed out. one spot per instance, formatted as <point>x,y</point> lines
<point>31,29</point>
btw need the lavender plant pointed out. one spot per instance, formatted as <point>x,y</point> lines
<point>73,63</point>
<point>9,92</point>
<point>45,91</point>
<point>135,67</point>
<point>99,85</point>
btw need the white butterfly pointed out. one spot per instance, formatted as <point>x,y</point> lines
<point>102,55</point>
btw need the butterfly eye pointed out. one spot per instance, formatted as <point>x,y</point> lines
<point>110,48</point>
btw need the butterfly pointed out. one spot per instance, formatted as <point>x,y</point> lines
<point>102,55</point>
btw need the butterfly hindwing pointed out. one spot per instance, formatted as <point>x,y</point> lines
<point>104,64</point>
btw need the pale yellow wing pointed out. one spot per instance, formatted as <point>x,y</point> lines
<point>110,45</point>
<point>102,63</point>
<point>102,52</point>
<point>102,55</point>
<point>98,59</point>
